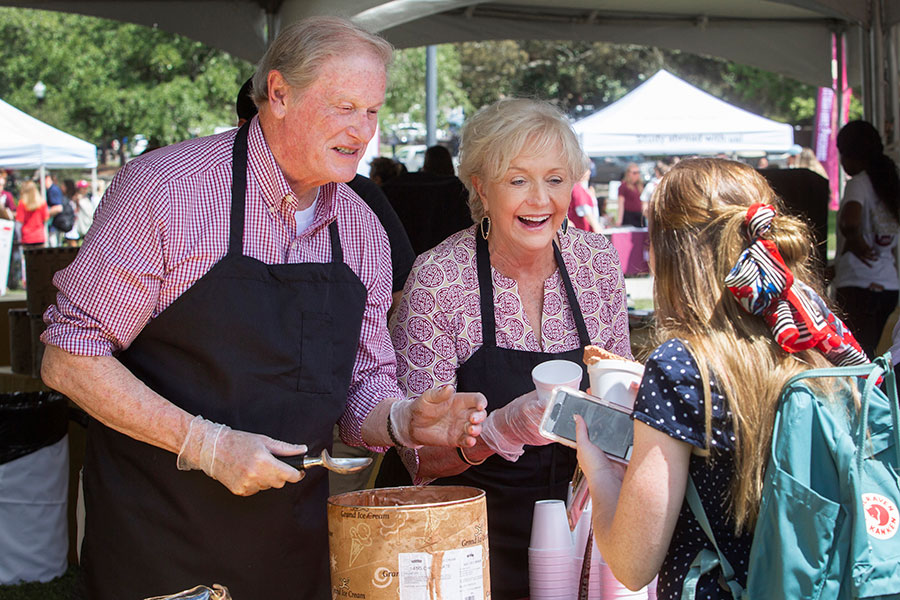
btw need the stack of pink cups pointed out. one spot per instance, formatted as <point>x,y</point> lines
<point>582,535</point>
<point>550,553</point>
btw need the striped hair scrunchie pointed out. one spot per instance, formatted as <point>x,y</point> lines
<point>798,317</point>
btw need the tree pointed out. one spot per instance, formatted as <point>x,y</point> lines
<point>107,80</point>
<point>581,77</point>
<point>406,86</point>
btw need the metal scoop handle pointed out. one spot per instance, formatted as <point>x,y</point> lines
<point>342,466</point>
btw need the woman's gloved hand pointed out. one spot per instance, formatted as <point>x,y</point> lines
<point>439,417</point>
<point>508,430</point>
<point>241,461</point>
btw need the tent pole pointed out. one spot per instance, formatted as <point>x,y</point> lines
<point>865,41</point>
<point>893,96</point>
<point>840,42</point>
<point>431,93</point>
<point>93,185</point>
<point>271,27</point>
<point>878,66</point>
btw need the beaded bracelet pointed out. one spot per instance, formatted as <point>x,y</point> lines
<point>390,429</point>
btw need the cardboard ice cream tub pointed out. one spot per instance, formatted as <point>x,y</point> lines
<point>409,543</point>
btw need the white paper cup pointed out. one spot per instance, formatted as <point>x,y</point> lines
<point>612,380</point>
<point>580,535</point>
<point>550,527</point>
<point>553,373</point>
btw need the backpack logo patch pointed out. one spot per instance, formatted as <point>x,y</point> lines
<point>882,516</point>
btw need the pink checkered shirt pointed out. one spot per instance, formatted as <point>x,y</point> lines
<point>164,223</point>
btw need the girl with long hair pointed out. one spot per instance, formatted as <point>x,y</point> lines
<point>722,252</point>
<point>32,213</point>
<point>865,282</point>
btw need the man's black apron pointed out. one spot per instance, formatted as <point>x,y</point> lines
<point>543,472</point>
<point>262,348</point>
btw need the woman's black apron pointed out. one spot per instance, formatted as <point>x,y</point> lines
<point>262,348</point>
<point>542,472</point>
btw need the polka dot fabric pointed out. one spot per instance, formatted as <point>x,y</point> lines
<point>437,324</point>
<point>671,400</point>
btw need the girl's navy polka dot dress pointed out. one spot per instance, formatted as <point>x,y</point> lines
<point>671,400</point>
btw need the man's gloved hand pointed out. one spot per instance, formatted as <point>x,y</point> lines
<point>241,461</point>
<point>507,430</point>
<point>439,417</point>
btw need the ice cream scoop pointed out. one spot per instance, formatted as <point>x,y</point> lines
<point>341,466</point>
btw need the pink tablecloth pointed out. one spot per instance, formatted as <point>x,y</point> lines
<point>633,245</point>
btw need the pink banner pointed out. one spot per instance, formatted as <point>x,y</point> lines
<point>828,123</point>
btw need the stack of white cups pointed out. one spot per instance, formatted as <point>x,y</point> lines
<point>550,553</point>
<point>582,535</point>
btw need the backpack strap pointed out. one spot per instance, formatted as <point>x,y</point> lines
<point>706,559</point>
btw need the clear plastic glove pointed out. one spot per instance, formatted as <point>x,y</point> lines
<point>439,417</point>
<point>241,461</point>
<point>508,430</point>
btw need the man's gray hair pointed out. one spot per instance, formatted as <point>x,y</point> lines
<point>301,49</point>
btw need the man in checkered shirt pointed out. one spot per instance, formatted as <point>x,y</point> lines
<point>227,308</point>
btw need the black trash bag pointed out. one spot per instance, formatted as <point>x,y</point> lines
<point>30,421</point>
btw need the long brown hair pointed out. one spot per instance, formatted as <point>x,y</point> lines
<point>31,196</point>
<point>697,233</point>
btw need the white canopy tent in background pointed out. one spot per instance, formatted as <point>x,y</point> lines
<point>29,143</point>
<point>667,115</point>
<point>26,142</point>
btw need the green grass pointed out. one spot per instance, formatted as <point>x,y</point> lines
<point>642,303</point>
<point>70,586</point>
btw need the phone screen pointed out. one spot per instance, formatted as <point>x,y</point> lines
<point>609,429</point>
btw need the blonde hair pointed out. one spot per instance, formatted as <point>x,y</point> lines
<point>807,160</point>
<point>500,132</point>
<point>31,196</point>
<point>301,49</point>
<point>697,233</point>
<point>639,186</point>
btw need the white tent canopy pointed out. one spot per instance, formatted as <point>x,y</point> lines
<point>666,115</point>
<point>26,142</point>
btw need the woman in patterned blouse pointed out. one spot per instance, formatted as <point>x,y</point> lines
<point>490,302</point>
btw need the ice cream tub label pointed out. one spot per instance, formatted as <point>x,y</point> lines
<point>409,543</point>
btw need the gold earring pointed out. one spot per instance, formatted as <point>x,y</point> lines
<point>485,226</point>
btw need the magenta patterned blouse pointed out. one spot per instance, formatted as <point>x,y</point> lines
<point>437,324</point>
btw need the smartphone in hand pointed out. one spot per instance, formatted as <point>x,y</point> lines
<point>609,425</point>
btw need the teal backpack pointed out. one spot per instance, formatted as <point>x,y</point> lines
<point>828,521</point>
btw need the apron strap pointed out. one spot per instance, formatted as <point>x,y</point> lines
<point>486,289</point>
<point>337,253</point>
<point>238,190</point>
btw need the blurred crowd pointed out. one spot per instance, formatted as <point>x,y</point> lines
<point>60,216</point>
